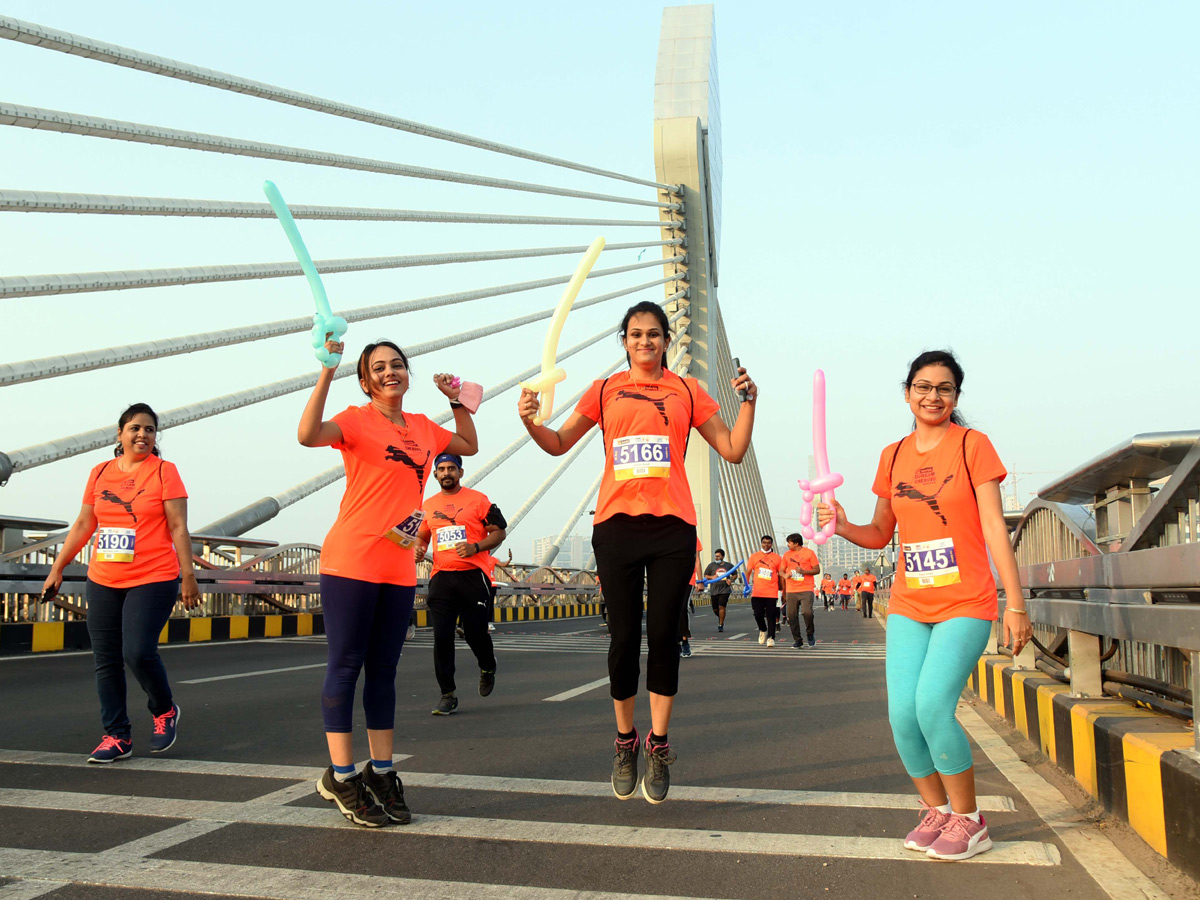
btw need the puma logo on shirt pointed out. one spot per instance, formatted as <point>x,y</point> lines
<point>908,492</point>
<point>395,454</point>
<point>126,504</point>
<point>659,403</point>
<point>439,515</point>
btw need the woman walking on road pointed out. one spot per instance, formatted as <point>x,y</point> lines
<point>941,484</point>
<point>136,506</point>
<point>645,523</point>
<point>368,574</point>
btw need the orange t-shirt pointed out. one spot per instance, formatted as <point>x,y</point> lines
<point>763,570</point>
<point>943,572</point>
<point>827,585</point>
<point>451,518</point>
<point>845,587</point>
<point>646,426</point>
<point>867,584</point>
<point>855,582</point>
<point>793,560</point>
<point>386,469</point>
<point>133,543</point>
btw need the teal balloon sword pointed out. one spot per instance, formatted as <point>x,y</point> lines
<point>324,321</point>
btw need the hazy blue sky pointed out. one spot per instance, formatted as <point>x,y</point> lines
<point>1017,181</point>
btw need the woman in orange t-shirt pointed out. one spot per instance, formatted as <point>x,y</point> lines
<point>941,485</point>
<point>644,530</point>
<point>137,507</point>
<point>368,574</point>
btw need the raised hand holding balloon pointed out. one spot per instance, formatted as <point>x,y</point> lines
<point>826,481</point>
<point>326,326</point>
<point>551,374</point>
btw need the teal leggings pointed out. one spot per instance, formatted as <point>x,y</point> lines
<point>927,668</point>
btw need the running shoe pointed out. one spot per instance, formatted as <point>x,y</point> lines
<point>770,642</point>
<point>111,749</point>
<point>447,705</point>
<point>812,642</point>
<point>388,791</point>
<point>720,628</point>
<point>928,829</point>
<point>162,736</point>
<point>962,838</point>
<point>491,628</point>
<point>460,632</point>
<point>353,799</point>
<point>625,767</point>
<point>411,633</point>
<point>657,780</point>
<point>762,637</point>
<point>487,681</point>
<point>685,650</point>
<point>798,645</point>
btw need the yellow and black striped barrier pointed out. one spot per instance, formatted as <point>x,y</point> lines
<point>1140,764</point>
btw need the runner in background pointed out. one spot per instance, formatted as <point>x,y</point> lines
<point>799,566</point>
<point>763,570</point>
<point>368,574</point>
<point>855,581</point>
<point>685,629</point>
<point>644,531</point>
<point>866,589</point>
<point>828,590</point>
<point>719,591</point>
<point>941,485</point>
<point>141,563</point>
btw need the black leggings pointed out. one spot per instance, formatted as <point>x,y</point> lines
<point>453,595</point>
<point>658,553</point>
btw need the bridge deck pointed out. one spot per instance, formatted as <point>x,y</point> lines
<point>787,783</point>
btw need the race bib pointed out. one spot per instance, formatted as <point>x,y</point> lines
<point>451,536</point>
<point>641,456</point>
<point>115,545</point>
<point>930,564</point>
<point>795,575</point>
<point>765,573</point>
<point>405,534</point>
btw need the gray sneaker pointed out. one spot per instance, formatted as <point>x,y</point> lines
<point>447,705</point>
<point>388,791</point>
<point>657,780</point>
<point>487,681</point>
<point>353,799</point>
<point>625,768</point>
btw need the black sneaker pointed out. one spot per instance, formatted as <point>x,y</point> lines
<point>657,780</point>
<point>447,705</point>
<point>625,767</point>
<point>487,681</point>
<point>353,799</point>
<point>685,650</point>
<point>798,645</point>
<point>164,730</point>
<point>720,628</point>
<point>388,791</point>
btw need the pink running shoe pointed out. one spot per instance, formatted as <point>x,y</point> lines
<point>928,830</point>
<point>962,838</point>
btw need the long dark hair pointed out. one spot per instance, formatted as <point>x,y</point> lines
<point>127,416</point>
<point>364,360</point>
<point>938,358</point>
<point>655,310</point>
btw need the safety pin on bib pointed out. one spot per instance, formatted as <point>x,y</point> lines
<point>551,374</point>
<point>324,321</point>
<point>826,481</point>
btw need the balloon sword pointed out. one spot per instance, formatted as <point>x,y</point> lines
<point>826,481</point>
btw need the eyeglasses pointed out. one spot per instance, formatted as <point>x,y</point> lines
<point>923,388</point>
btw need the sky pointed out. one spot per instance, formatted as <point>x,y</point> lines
<point>1016,182</point>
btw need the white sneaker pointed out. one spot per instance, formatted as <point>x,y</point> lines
<point>762,637</point>
<point>770,642</point>
<point>411,633</point>
<point>491,628</point>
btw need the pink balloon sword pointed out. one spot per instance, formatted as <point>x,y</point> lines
<point>825,481</point>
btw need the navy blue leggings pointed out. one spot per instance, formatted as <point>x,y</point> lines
<point>364,629</point>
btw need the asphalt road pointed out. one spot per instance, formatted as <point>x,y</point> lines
<point>787,783</point>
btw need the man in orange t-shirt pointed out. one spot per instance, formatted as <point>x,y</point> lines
<point>765,583</point>
<point>828,590</point>
<point>845,590</point>
<point>463,525</point>
<point>799,566</point>
<point>866,589</point>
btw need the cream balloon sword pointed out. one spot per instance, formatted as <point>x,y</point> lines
<point>551,374</point>
<point>324,321</point>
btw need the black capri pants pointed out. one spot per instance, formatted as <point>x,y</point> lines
<point>658,552</point>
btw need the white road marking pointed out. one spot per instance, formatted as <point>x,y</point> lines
<point>59,868</point>
<point>575,692</point>
<point>171,764</point>
<point>307,776</point>
<point>1030,853</point>
<point>738,636</point>
<point>1107,866</point>
<point>320,665</point>
<point>181,645</point>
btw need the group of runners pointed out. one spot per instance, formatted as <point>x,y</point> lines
<point>940,485</point>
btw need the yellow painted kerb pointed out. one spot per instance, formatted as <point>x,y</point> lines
<point>47,636</point>
<point>1143,782</point>
<point>239,627</point>
<point>200,629</point>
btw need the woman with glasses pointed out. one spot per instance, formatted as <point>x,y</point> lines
<point>368,571</point>
<point>941,485</point>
